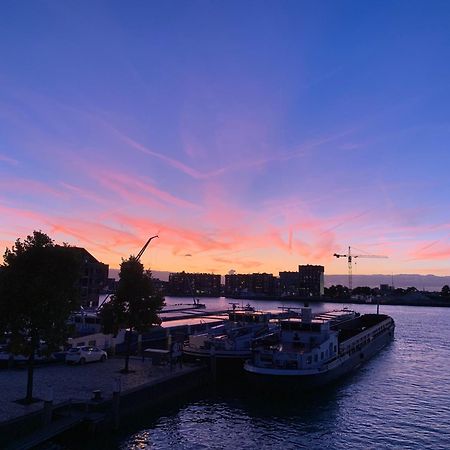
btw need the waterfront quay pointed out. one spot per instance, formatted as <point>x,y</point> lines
<point>97,395</point>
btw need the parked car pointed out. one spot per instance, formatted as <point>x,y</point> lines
<point>8,359</point>
<point>81,355</point>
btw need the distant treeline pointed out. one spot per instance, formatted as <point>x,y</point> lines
<point>340,291</point>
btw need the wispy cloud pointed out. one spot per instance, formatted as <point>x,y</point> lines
<point>240,164</point>
<point>27,187</point>
<point>82,193</point>
<point>439,253</point>
<point>8,160</point>
<point>136,184</point>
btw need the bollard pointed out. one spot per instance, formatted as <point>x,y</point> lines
<point>97,395</point>
<point>48,406</point>
<point>169,341</point>
<point>139,343</point>
<point>169,347</point>
<point>213,363</point>
<point>117,387</point>
<point>179,358</point>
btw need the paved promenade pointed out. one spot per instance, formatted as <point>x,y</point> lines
<point>73,382</point>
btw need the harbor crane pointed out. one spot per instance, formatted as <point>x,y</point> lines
<point>350,258</point>
<point>138,257</point>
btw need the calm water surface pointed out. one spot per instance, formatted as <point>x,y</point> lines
<point>399,399</point>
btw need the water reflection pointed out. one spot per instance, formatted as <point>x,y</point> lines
<point>236,415</point>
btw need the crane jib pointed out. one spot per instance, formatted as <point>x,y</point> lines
<point>349,262</point>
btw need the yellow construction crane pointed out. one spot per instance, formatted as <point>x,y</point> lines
<point>350,257</point>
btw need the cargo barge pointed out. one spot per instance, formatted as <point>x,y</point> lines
<point>314,351</point>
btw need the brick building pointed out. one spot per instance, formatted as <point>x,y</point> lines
<point>247,285</point>
<point>289,283</point>
<point>193,284</point>
<point>311,280</point>
<point>93,278</point>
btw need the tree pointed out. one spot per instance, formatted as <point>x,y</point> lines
<point>134,306</point>
<point>338,291</point>
<point>362,290</point>
<point>445,291</point>
<point>37,295</point>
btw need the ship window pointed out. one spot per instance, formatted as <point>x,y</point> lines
<point>316,357</point>
<point>321,355</point>
<point>309,360</point>
<point>335,348</point>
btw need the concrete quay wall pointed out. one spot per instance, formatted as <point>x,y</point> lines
<point>154,393</point>
<point>15,429</point>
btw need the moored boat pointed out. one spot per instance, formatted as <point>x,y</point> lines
<point>232,340</point>
<point>314,351</point>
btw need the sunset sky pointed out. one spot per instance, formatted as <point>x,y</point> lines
<point>250,135</point>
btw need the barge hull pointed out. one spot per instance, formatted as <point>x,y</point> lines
<point>224,363</point>
<point>294,382</point>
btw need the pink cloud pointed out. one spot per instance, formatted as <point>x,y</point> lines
<point>82,193</point>
<point>239,262</point>
<point>29,187</point>
<point>217,223</point>
<point>94,235</point>
<point>435,250</point>
<point>134,184</point>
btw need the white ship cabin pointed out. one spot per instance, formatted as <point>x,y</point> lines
<point>237,333</point>
<point>305,343</point>
<point>85,322</point>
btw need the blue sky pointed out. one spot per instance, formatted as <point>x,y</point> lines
<point>254,136</point>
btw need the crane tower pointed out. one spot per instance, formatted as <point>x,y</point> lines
<point>350,258</point>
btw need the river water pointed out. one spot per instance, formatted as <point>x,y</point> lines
<point>400,399</point>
